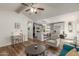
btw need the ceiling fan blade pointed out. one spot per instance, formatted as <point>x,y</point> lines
<point>24,4</point>
<point>40,8</point>
<point>27,10</point>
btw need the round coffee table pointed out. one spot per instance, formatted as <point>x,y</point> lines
<point>35,50</point>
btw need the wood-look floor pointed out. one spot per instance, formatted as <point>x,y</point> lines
<point>19,49</point>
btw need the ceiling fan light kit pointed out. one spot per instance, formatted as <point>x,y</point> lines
<point>33,9</point>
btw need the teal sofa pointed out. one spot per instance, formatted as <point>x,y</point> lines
<point>66,49</point>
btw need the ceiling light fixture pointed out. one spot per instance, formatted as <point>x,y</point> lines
<point>33,10</point>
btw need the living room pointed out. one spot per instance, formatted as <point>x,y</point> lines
<point>27,28</point>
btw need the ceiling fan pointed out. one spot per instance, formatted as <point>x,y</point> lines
<point>32,8</point>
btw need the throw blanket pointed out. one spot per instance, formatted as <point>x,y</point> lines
<point>73,52</point>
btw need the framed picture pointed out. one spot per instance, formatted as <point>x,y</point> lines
<point>70,26</point>
<point>17,25</point>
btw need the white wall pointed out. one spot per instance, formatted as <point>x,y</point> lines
<point>7,20</point>
<point>69,17</point>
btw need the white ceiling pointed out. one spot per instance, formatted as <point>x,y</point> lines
<point>51,9</point>
<point>54,9</point>
<point>8,6</point>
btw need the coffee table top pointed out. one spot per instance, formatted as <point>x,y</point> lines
<point>35,49</point>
